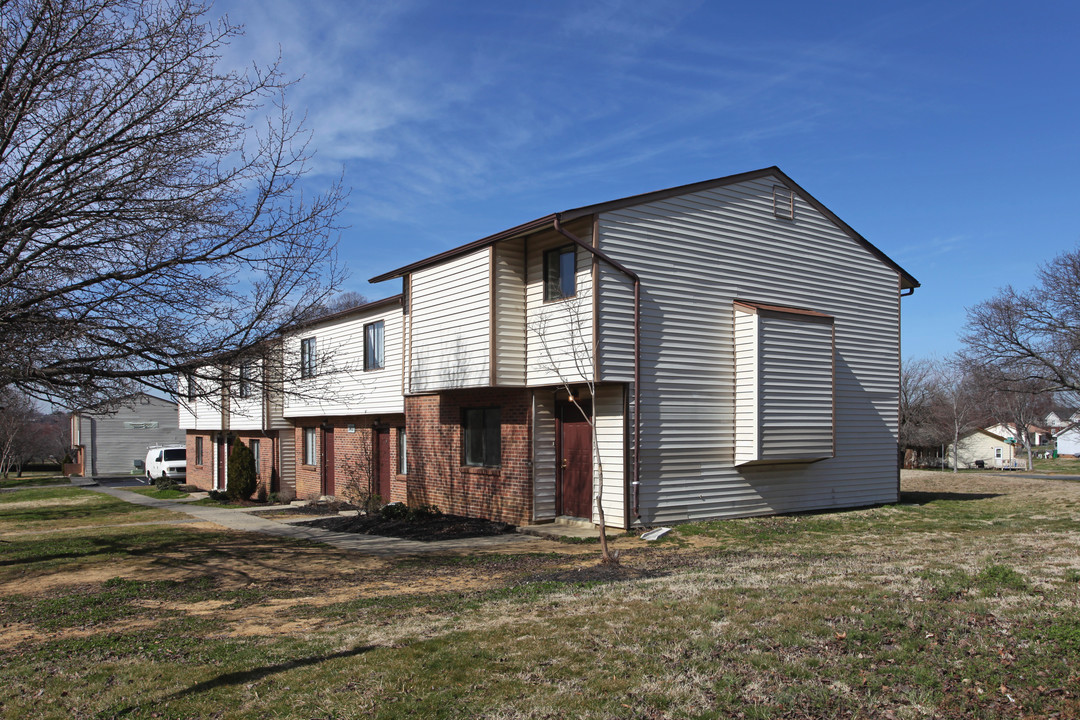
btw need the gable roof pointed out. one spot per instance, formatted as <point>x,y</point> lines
<point>907,281</point>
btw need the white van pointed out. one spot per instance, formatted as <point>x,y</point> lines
<point>166,461</point>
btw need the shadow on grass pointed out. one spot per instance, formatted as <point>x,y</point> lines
<point>244,677</point>
<point>924,498</point>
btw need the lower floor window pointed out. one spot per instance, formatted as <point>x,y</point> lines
<point>254,445</point>
<point>403,462</point>
<point>483,437</point>
<point>198,451</point>
<point>309,446</point>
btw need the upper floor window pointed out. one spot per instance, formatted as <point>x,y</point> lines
<point>560,273</point>
<point>307,357</point>
<point>373,346</point>
<point>483,437</point>
<point>244,385</point>
<point>191,389</point>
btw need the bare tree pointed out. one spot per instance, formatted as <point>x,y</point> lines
<point>960,406</point>
<point>17,414</point>
<point>920,401</point>
<point>1019,404</point>
<point>567,353</point>
<point>1032,335</point>
<point>150,219</point>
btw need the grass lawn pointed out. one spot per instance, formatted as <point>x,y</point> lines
<point>34,479</point>
<point>159,494</point>
<point>1064,465</point>
<point>48,509</point>
<point>961,601</point>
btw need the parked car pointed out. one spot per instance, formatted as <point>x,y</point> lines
<point>166,461</point>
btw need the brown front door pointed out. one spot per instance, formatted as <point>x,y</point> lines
<point>382,455</point>
<point>223,462</point>
<point>574,464</point>
<point>328,461</point>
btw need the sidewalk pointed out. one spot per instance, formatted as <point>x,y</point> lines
<point>369,544</point>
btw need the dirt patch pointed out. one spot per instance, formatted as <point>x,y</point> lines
<point>430,528</point>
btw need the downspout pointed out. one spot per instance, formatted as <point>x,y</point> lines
<point>596,252</point>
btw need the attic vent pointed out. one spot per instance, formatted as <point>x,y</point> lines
<point>783,202</point>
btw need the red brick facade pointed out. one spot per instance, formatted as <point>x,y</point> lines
<point>437,471</point>
<point>202,475</point>
<point>354,458</point>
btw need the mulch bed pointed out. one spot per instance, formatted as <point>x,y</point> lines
<point>428,529</point>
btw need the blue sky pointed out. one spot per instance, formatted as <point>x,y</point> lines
<point>945,133</point>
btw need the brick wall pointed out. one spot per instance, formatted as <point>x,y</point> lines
<point>437,474</point>
<point>354,466</point>
<point>201,476</point>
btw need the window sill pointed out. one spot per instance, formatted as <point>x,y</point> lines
<point>478,470</point>
<point>552,301</point>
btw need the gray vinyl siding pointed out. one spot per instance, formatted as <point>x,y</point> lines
<point>115,440</point>
<point>795,403</point>
<point>698,253</point>
<point>510,314</point>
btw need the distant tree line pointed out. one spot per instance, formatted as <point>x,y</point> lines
<point>1021,353</point>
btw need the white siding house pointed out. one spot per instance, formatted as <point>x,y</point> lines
<point>736,341</point>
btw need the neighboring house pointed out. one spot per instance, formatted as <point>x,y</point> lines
<point>740,342</point>
<point>1061,417</point>
<point>109,439</point>
<point>1039,436</point>
<point>1068,441</point>
<point>981,445</point>
<point>344,398</point>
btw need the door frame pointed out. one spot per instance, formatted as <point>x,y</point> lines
<point>377,454</point>
<point>328,484</point>
<point>562,407</point>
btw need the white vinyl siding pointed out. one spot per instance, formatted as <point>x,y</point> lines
<point>246,413</point>
<point>451,324</point>
<point>342,386</point>
<point>610,439</point>
<point>209,406</point>
<point>696,254</point>
<point>187,408</point>
<point>560,332</point>
<point>746,387</point>
<point>510,314</point>
<point>543,455</point>
<point>783,387</point>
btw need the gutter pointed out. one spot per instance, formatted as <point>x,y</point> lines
<point>596,252</point>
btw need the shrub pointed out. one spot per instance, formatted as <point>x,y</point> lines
<point>166,483</point>
<point>242,482</point>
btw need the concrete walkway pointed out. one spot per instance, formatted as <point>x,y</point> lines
<point>368,544</point>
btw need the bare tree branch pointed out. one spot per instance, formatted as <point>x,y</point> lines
<point>151,212</point>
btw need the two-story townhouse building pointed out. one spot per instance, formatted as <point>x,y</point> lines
<point>736,342</point>
<point>223,403</point>
<point>343,401</point>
